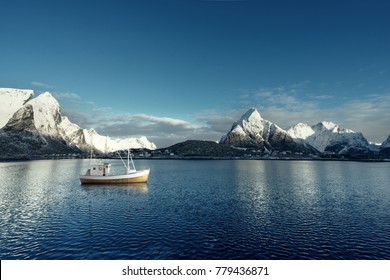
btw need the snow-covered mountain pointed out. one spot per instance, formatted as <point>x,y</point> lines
<point>39,120</point>
<point>12,100</point>
<point>300,131</point>
<point>385,147</point>
<point>328,137</point>
<point>87,139</point>
<point>251,130</point>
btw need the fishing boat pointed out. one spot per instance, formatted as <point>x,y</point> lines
<point>99,173</point>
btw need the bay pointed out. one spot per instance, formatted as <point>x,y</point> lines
<point>198,209</point>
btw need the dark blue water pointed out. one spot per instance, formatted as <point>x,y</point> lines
<point>198,210</point>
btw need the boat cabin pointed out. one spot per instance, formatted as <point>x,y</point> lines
<point>100,169</point>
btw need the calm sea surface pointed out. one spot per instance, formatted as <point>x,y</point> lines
<point>197,210</point>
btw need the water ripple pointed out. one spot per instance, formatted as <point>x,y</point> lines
<point>198,210</point>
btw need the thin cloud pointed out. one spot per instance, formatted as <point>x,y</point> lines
<point>219,123</point>
<point>283,96</point>
<point>301,85</point>
<point>263,94</point>
<point>321,97</point>
<point>163,131</point>
<point>43,85</point>
<point>164,120</point>
<point>68,96</point>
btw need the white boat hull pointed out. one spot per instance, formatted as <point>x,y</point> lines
<point>140,176</point>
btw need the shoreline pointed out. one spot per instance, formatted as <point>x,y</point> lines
<point>36,157</point>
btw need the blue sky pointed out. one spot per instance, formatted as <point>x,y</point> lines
<point>177,70</point>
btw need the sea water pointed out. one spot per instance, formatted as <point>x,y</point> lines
<point>197,209</point>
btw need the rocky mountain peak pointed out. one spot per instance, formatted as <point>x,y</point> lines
<point>252,131</point>
<point>252,115</point>
<point>47,115</point>
<point>386,143</point>
<point>251,123</point>
<point>23,119</point>
<point>385,147</point>
<point>37,125</point>
<point>329,126</point>
<point>300,131</point>
<point>329,137</point>
<point>12,100</point>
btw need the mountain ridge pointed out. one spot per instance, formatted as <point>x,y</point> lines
<point>252,131</point>
<point>36,123</point>
<point>12,100</point>
<point>36,126</point>
<point>324,138</point>
<point>328,137</point>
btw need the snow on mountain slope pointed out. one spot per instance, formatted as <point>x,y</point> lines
<point>87,139</point>
<point>300,131</point>
<point>254,131</point>
<point>141,142</point>
<point>12,100</point>
<point>42,115</point>
<point>330,137</point>
<point>247,130</point>
<point>386,143</point>
<point>22,120</point>
<point>251,123</point>
<point>47,114</point>
<point>385,148</point>
<point>97,141</point>
<point>67,128</point>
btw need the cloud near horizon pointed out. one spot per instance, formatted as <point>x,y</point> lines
<point>281,105</point>
<point>284,107</point>
<point>163,131</point>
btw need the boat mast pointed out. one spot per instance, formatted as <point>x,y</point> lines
<point>132,162</point>
<point>129,158</point>
<point>124,164</point>
<point>128,166</point>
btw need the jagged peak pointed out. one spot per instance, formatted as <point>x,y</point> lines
<point>300,130</point>
<point>91,131</point>
<point>47,99</point>
<point>46,94</point>
<point>42,114</point>
<point>300,125</point>
<point>23,119</point>
<point>325,125</point>
<point>12,100</point>
<point>251,115</point>
<point>250,119</point>
<point>332,127</point>
<point>47,113</point>
<point>250,122</point>
<point>386,143</point>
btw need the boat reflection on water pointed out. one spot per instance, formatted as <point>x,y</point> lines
<point>129,187</point>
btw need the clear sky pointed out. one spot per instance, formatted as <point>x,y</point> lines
<point>177,70</point>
